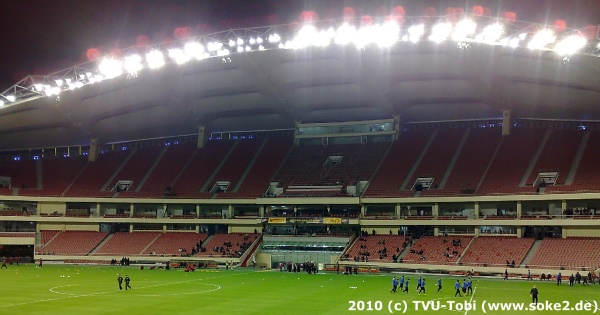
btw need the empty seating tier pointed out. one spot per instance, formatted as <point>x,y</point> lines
<point>496,250</point>
<point>570,253</point>
<point>74,243</point>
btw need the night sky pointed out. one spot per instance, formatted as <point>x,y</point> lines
<point>42,36</point>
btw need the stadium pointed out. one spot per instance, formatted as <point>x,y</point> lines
<point>215,169</point>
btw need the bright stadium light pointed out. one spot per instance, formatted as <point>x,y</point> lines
<point>542,39</point>
<point>240,41</point>
<point>345,34</point>
<point>11,98</point>
<point>274,38</point>
<point>214,46</point>
<point>415,33</point>
<point>155,59</point>
<point>178,56</point>
<point>306,36</point>
<point>194,50</point>
<point>464,29</point>
<point>110,68</point>
<point>570,45</point>
<point>231,43</point>
<point>252,41</point>
<point>133,64</point>
<point>1,103</point>
<point>38,87</point>
<point>240,49</point>
<point>440,32</point>
<point>388,34</point>
<point>491,34</point>
<point>59,82</point>
<point>248,48</point>
<point>261,47</point>
<point>222,52</point>
<point>259,40</point>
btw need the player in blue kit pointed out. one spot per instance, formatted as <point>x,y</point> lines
<point>422,287</point>
<point>439,284</point>
<point>457,288</point>
<point>406,286</point>
<point>394,284</point>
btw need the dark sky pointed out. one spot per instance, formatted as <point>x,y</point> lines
<point>41,36</point>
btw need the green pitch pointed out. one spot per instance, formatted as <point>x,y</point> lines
<point>87,290</point>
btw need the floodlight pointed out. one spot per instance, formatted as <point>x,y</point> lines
<point>387,34</point>
<point>274,38</point>
<point>248,48</point>
<point>261,47</point>
<point>464,29</point>
<point>222,52</point>
<point>78,84</point>
<point>214,46</point>
<point>514,42</point>
<point>231,43</point>
<point>415,33</point>
<point>281,46</point>
<point>252,41</point>
<point>259,40</point>
<point>110,68</point>
<point>194,50</point>
<point>440,32</point>
<point>240,49</point>
<point>155,59</point>
<point>11,98</point>
<point>365,35</point>
<point>38,87</point>
<point>1,103</point>
<point>306,36</point>
<point>570,45</point>
<point>56,90</point>
<point>491,33</point>
<point>133,64</point>
<point>345,34</point>
<point>240,41</point>
<point>542,39</point>
<point>178,56</point>
<point>59,82</point>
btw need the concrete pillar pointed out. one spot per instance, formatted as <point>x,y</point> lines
<point>564,232</point>
<point>131,210</point>
<point>261,211</point>
<point>230,212</point>
<point>202,137</point>
<point>477,210</point>
<point>563,206</point>
<point>197,210</point>
<point>397,127</point>
<point>436,231</point>
<point>363,211</point>
<point>519,232</point>
<point>436,210</point>
<point>164,228</point>
<point>95,149</point>
<point>507,119</point>
<point>519,209</point>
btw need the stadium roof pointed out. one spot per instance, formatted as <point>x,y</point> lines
<point>273,88</point>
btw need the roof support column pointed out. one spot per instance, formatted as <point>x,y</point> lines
<point>202,137</point>
<point>95,149</point>
<point>507,118</point>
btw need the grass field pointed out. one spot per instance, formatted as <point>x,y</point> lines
<point>59,289</point>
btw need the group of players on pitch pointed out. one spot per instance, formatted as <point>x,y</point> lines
<point>403,284</point>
